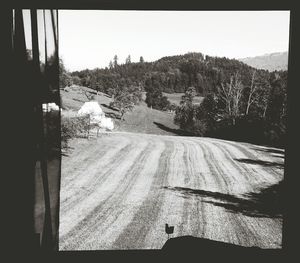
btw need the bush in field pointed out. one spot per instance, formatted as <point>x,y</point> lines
<point>72,127</point>
<point>172,107</point>
<point>200,128</point>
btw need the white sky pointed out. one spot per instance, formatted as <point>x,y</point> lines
<point>91,38</point>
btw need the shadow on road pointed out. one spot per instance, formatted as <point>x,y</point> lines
<point>203,248</point>
<point>266,203</point>
<point>174,131</point>
<point>274,152</point>
<point>260,162</point>
<point>66,150</point>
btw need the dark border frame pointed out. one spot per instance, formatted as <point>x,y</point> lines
<point>289,241</point>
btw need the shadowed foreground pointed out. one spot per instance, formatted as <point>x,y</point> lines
<point>195,247</point>
<point>119,191</point>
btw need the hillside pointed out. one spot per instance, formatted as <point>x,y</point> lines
<point>173,74</point>
<point>271,62</point>
<point>141,120</point>
<point>145,120</point>
<point>262,102</point>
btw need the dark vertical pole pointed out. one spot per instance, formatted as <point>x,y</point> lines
<point>20,44</point>
<point>47,231</point>
<point>45,35</point>
<point>12,30</point>
<point>20,209</point>
<point>288,160</point>
<point>58,123</point>
<point>54,31</point>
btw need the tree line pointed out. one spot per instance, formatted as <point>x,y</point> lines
<point>173,73</point>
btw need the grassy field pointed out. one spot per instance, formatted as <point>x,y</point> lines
<point>119,190</point>
<point>145,120</point>
<point>142,119</point>
<point>176,98</point>
<point>74,97</point>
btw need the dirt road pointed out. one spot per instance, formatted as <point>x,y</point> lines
<point>118,191</point>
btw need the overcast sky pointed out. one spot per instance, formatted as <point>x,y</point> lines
<point>90,39</point>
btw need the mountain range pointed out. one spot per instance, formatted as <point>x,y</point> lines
<point>270,62</point>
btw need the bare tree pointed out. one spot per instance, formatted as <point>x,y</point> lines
<point>115,63</point>
<point>265,98</point>
<point>251,97</point>
<point>258,95</point>
<point>231,93</point>
<point>90,96</point>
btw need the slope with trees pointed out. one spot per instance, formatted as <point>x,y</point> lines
<point>255,112</point>
<point>240,102</point>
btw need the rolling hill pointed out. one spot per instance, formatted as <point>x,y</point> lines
<point>141,119</point>
<point>173,74</point>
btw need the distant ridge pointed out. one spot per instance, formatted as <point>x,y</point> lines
<point>271,62</point>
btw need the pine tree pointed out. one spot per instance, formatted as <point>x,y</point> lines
<point>115,61</point>
<point>128,60</point>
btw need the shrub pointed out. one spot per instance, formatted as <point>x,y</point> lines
<point>72,127</point>
<point>200,128</point>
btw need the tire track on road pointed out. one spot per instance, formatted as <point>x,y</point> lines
<point>91,177</point>
<point>92,190</point>
<point>173,204</point>
<point>146,216</point>
<point>245,232</point>
<point>192,213</point>
<point>87,161</point>
<point>255,155</point>
<point>102,211</point>
<point>240,229</point>
<point>129,208</point>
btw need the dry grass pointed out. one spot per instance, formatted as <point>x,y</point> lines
<point>176,98</point>
<point>142,119</point>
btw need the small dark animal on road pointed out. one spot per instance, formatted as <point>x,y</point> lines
<point>169,230</point>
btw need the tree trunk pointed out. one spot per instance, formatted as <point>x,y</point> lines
<point>265,110</point>
<point>248,102</point>
<point>247,110</point>
<point>122,116</point>
<point>88,130</point>
<point>252,89</point>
